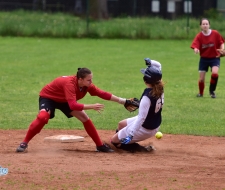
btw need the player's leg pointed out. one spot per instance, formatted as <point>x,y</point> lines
<point>213,81</point>
<point>123,123</point>
<point>140,135</point>
<point>202,68</point>
<point>37,124</point>
<point>88,126</point>
<point>124,127</point>
<point>91,130</point>
<point>201,83</point>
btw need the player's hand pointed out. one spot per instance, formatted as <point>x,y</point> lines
<point>221,52</point>
<point>98,107</point>
<point>127,139</point>
<point>196,51</point>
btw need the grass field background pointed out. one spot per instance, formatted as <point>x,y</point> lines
<point>27,64</point>
<point>22,23</point>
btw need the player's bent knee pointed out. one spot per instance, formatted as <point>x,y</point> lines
<point>40,121</point>
<point>43,117</point>
<point>120,125</point>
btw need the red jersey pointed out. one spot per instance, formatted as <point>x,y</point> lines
<point>208,44</point>
<point>66,88</point>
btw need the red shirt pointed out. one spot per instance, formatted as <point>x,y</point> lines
<point>208,45</point>
<point>65,88</point>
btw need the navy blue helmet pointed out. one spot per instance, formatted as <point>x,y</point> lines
<point>152,74</point>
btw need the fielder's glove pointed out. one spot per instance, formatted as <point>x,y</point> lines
<point>127,139</point>
<point>222,52</point>
<point>132,104</point>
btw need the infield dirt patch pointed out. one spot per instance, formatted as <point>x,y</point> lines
<point>180,162</point>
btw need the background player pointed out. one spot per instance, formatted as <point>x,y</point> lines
<point>207,42</point>
<point>148,120</point>
<point>63,93</point>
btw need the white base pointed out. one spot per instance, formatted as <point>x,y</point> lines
<point>64,138</point>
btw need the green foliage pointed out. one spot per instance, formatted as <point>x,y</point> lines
<point>57,25</point>
<point>37,24</point>
<point>27,64</point>
<point>213,14</point>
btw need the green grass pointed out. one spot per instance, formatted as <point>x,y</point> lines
<point>27,64</point>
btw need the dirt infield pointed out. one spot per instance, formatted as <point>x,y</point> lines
<point>180,162</point>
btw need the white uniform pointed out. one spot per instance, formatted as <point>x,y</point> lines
<point>150,117</point>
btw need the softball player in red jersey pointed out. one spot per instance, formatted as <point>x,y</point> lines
<point>147,122</point>
<point>63,93</point>
<point>206,43</point>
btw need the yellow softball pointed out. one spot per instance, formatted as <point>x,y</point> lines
<point>158,135</point>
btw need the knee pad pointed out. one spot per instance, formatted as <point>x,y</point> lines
<point>37,125</point>
<point>43,117</point>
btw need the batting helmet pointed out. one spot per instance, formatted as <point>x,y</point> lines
<point>152,74</point>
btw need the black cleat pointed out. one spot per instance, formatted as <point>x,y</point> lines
<point>212,94</point>
<point>22,148</point>
<point>104,148</point>
<point>150,148</point>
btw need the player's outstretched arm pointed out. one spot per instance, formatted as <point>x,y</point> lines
<point>131,104</point>
<point>118,99</point>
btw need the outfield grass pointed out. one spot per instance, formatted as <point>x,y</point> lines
<point>27,64</point>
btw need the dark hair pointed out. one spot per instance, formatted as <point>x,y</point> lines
<point>204,19</point>
<point>83,72</point>
<point>153,76</point>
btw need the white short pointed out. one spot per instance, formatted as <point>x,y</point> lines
<point>139,135</point>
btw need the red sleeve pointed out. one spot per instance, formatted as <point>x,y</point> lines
<point>221,39</point>
<point>95,91</point>
<point>196,43</point>
<point>75,106</point>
